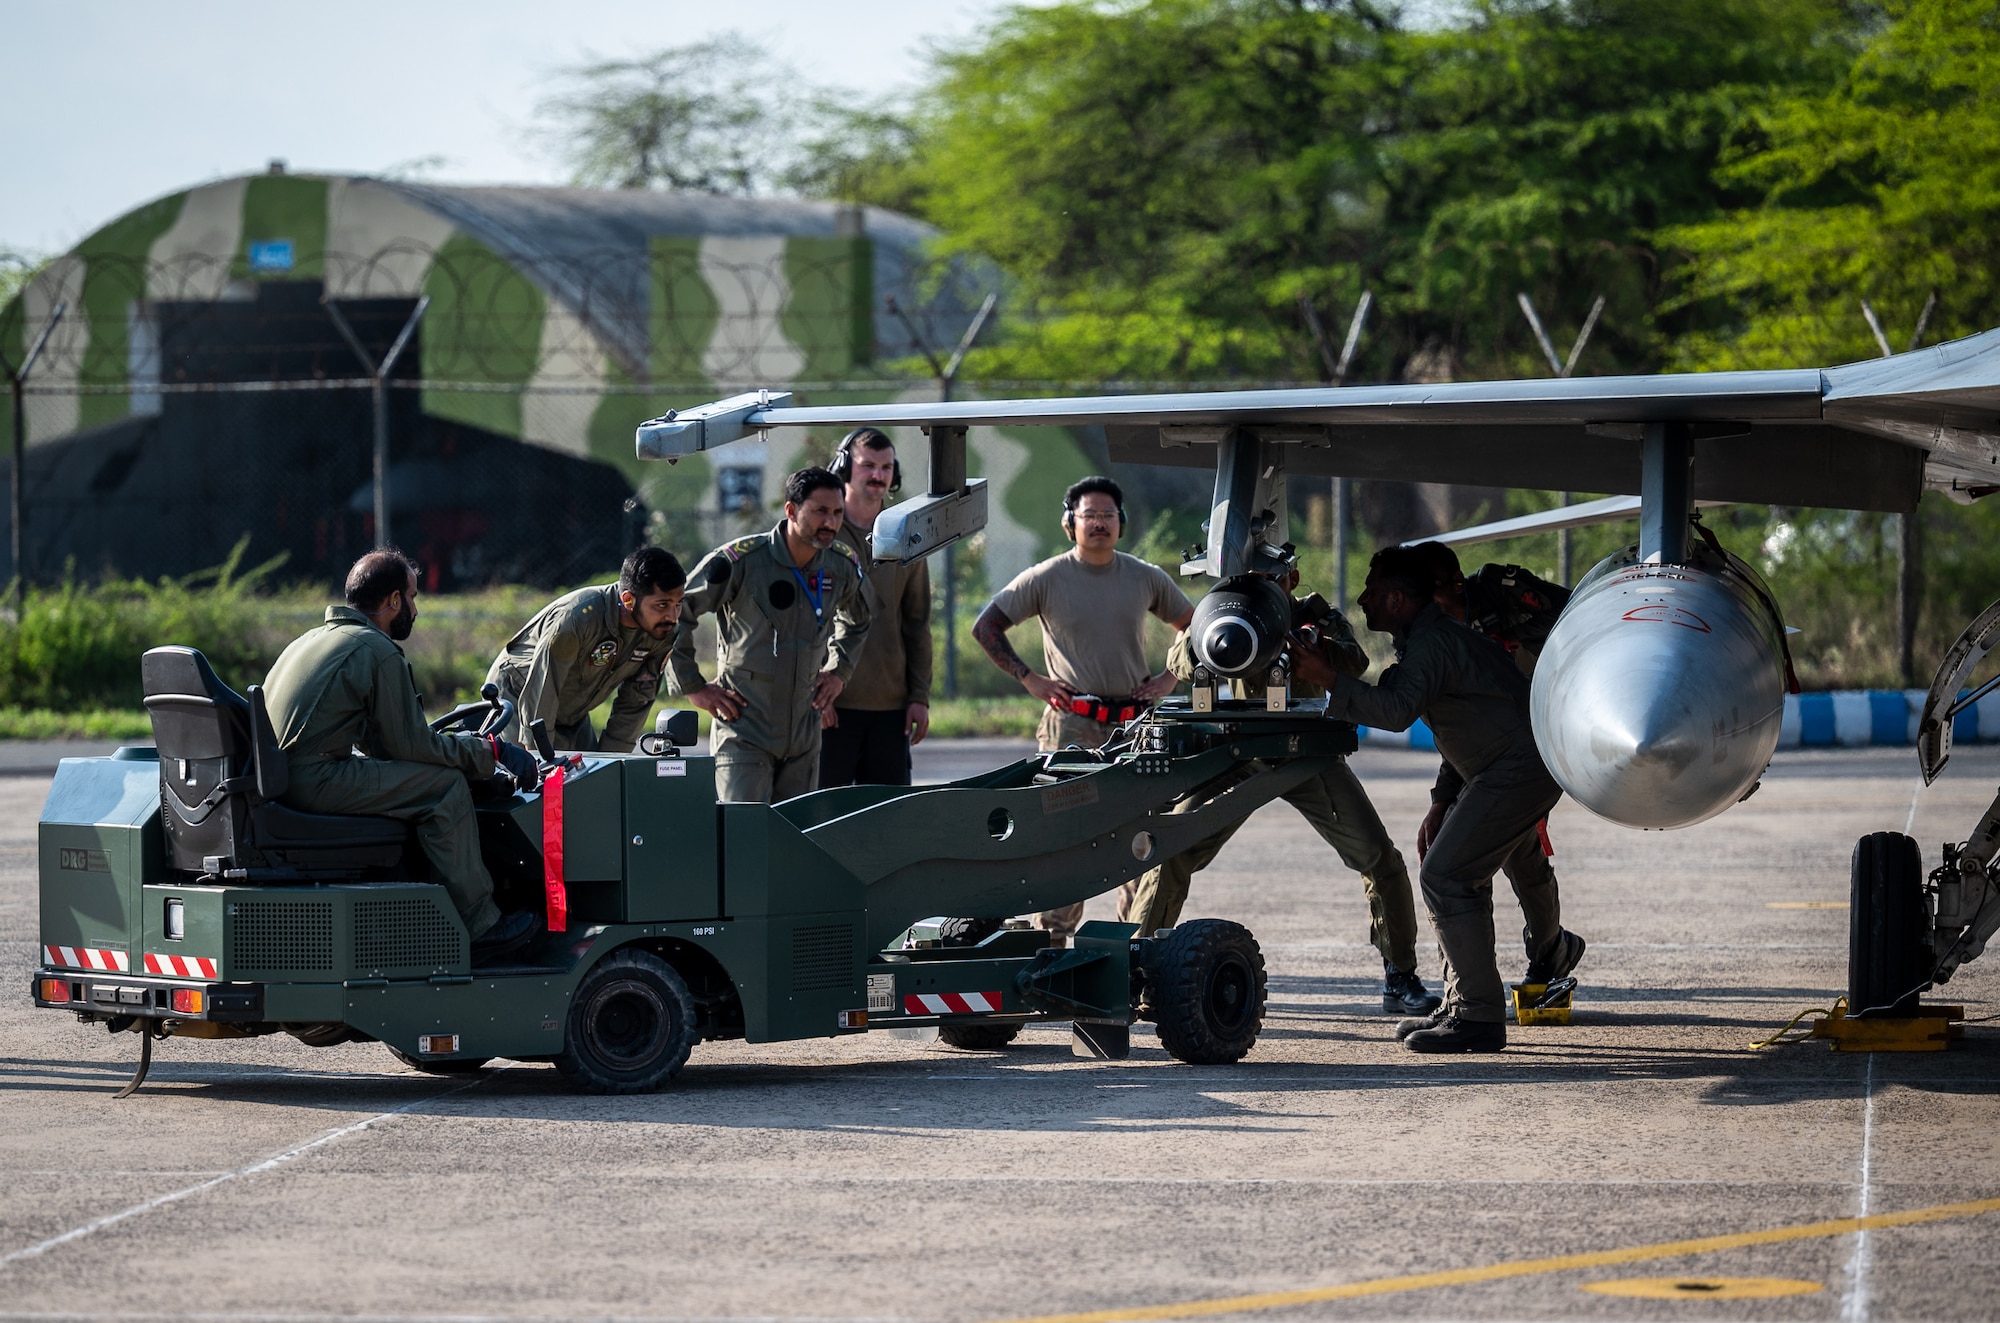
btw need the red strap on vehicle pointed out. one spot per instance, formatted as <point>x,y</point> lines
<point>552,850</point>
<point>1542,831</point>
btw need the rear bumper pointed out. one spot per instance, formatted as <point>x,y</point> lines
<point>107,993</point>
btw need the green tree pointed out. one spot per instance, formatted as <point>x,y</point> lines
<point>1201,188</point>
<point>715,116</point>
<point>1545,142</point>
<point>1884,187</point>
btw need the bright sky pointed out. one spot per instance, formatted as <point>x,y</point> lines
<point>110,103</point>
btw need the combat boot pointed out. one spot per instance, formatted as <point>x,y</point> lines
<point>1404,1028</point>
<point>1560,960</point>
<point>1452,1034</point>
<point>1405,994</point>
<point>505,938</point>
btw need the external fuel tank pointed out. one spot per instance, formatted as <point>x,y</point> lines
<point>1658,696</point>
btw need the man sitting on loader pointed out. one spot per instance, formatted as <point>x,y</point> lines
<point>344,706</point>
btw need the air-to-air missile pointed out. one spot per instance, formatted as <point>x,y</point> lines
<point>1658,696</point>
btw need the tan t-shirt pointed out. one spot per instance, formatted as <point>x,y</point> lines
<point>1094,617</point>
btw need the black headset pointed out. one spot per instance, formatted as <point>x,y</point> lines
<point>1069,516</point>
<point>842,466</point>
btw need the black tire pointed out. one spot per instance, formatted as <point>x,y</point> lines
<point>978,1037</point>
<point>966,932</point>
<point>448,1066</point>
<point>324,1035</point>
<point>631,1026</point>
<point>1205,985</point>
<point>1889,958</point>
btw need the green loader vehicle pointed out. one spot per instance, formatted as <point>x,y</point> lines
<point>181,897</point>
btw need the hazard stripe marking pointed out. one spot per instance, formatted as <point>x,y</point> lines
<point>951,1003</point>
<point>84,957</point>
<point>180,966</point>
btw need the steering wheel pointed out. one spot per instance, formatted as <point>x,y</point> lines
<point>489,714</point>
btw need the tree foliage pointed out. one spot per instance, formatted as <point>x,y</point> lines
<point>715,116</point>
<point>1885,186</point>
<point>1204,187</point>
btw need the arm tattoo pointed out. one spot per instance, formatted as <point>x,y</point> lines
<point>991,631</point>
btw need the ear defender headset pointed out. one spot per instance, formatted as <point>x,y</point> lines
<point>842,466</point>
<point>1069,517</point>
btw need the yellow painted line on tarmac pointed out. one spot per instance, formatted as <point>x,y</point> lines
<point>1805,904</point>
<point>1497,1272</point>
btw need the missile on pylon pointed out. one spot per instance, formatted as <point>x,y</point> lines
<point>1658,696</point>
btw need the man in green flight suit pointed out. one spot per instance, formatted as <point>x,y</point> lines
<point>590,644</point>
<point>344,705</point>
<point>790,618</point>
<point>1336,806</point>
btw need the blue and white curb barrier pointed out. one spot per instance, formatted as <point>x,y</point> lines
<point>1842,718</point>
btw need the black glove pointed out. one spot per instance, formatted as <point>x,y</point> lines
<point>521,764</point>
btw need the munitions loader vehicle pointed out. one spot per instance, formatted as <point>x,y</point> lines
<point>180,896</point>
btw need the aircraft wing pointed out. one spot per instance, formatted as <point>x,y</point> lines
<point>1866,436</point>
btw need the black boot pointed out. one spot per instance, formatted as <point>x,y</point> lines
<point>1404,1028</point>
<point>1560,960</point>
<point>1405,994</point>
<point>506,937</point>
<point>1453,1034</point>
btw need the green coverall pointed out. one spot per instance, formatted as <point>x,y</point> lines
<point>772,642</point>
<point>346,686</point>
<point>1475,701</point>
<point>572,656</point>
<point>1338,808</point>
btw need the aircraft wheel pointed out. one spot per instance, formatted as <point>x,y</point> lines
<point>1889,956</point>
<point>1205,986</point>
<point>978,1037</point>
<point>450,1066</point>
<point>631,1026</point>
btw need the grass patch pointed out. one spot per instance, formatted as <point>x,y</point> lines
<point>39,723</point>
<point>961,718</point>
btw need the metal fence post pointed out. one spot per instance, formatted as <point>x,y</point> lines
<point>16,379</point>
<point>379,374</point>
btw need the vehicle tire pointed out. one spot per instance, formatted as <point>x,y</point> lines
<point>631,1025</point>
<point>1205,989</point>
<point>323,1035</point>
<point>978,1037</point>
<point>448,1066</point>
<point>966,932</point>
<point>1889,957</point>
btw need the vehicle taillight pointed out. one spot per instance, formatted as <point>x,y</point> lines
<point>55,990</point>
<point>189,1001</point>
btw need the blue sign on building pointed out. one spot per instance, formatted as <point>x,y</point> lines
<point>270,254</point>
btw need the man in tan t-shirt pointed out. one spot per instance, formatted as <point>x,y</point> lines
<point>1093,600</point>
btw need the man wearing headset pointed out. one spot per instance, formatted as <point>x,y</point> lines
<point>885,706</point>
<point>1093,600</point>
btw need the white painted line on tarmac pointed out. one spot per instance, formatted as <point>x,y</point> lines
<point>1911,821</point>
<point>1856,1304</point>
<point>266,1164</point>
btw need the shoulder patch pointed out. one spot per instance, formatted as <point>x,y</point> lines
<point>604,653</point>
<point>741,547</point>
<point>848,552</point>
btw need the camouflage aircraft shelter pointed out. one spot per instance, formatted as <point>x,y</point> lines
<point>198,389</point>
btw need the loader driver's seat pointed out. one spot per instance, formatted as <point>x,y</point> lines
<point>221,773</point>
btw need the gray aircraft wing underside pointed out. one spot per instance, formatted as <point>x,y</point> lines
<point>1866,436</point>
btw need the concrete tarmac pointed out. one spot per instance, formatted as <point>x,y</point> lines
<point>877,1178</point>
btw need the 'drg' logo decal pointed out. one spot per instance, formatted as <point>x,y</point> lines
<point>1663,614</point>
